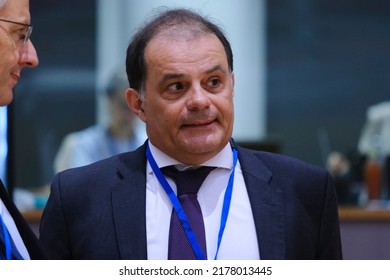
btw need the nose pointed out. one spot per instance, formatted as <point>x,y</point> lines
<point>28,55</point>
<point>198,99</point>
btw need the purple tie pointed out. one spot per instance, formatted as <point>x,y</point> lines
<point>188,183</point>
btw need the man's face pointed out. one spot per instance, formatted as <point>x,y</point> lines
<point>8,59</point>
<point>13,58</point>
<point>188,105</point>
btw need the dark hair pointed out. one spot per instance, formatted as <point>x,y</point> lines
<point>180,18</point>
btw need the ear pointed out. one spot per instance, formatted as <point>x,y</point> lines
<point>135,103</point>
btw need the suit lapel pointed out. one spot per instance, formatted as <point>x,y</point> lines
<point>266,203</point>
<point>128,204</point>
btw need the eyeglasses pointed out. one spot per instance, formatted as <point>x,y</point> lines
<point>21,36</point>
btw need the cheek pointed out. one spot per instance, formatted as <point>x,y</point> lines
<point>164,120</point>
<point>8,51</point>
<point>153,114</point>
<point>226,108</point>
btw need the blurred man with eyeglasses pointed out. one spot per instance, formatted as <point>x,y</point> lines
<point>17,50</point>
<point>17,240</point>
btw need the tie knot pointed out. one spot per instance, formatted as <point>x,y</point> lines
<point>188,181</point>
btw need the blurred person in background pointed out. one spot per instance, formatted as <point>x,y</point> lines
<point>101,141</point>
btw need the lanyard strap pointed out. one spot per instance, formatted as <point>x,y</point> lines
<point>7,240</point>
<point>226,202</point>
<point>179,210</point>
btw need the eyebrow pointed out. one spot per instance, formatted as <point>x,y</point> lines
<point>216,68</point>
<point>168,77</point>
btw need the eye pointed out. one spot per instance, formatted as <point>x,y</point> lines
<point>18,36</point>
<point>174,90</point>
<point>176,87</point>
<point>22,36</point>
<point>214,82</point>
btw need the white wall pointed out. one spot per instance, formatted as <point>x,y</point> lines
<point>244,25</point>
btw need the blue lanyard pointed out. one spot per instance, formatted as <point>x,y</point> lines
<point>7,240</point>
<point>179,210</point>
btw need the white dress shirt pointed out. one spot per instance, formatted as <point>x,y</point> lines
<point>239,240</point>
<point>13,231</point>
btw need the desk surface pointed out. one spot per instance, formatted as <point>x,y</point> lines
<point>358,214</point>
<point>32,216</point>
<point>346,214</point>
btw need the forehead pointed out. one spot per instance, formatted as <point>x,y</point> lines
<point>170,49</point>
<point>16,10</point>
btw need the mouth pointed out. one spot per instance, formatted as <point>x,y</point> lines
<point>15,77</point>
<point>199,123</point>
<point>199,127</point>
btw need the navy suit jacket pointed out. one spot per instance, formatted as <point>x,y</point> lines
<point>98,211</point>
<point>29,238</point>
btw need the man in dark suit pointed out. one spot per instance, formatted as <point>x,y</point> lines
<point>28,237</point>
<point>252,205</point>
<point>17,240</point>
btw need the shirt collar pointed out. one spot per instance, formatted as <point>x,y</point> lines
<point>224,159</point>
